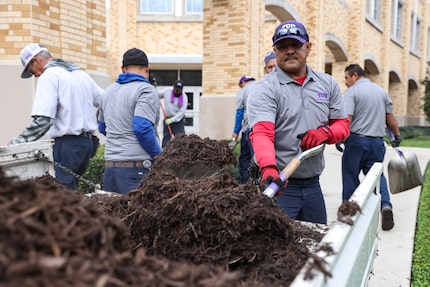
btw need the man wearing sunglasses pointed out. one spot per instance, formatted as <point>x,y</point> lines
<point>64,108</point>
<point>293,109</point>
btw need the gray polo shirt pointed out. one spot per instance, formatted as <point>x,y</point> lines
<point>368,104</point>
<point>294,109</point>
<point>120,103</point>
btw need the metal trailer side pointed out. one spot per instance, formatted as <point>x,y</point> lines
<point>21,160</point>
<point>354,245</point>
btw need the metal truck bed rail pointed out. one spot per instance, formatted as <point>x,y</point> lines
<point>20,159</point>
<point>354,245</point>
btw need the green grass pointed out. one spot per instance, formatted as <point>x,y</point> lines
<point>420,141</point>
<point>420,273</point>
<point>414,136</point>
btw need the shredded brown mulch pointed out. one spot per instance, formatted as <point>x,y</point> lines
<point>191,157</point>
<point>170,231</point>
<point>346,211</point>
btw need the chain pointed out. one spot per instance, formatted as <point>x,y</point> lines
<point>40,155</point>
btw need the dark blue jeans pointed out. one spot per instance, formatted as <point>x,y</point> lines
<point>178,127</point>
<point>359,155</point>
<point>74,153</point>
<point>303,200</point>
<point>123,179</point>
<point>246,154</point>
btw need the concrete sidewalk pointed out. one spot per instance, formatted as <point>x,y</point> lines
<point>392,265</point>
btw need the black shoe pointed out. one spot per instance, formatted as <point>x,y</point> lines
<point>387,218</point>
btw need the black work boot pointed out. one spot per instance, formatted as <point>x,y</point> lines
<point>387,218</point>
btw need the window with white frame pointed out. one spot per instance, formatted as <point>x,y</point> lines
<point>156,6</point>
<point>193,6</point>
<point>171,7</point>
<point>415,32</point>
<point>373,10</point>
<point>397,22</point>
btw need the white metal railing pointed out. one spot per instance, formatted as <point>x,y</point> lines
<point>354,245</point>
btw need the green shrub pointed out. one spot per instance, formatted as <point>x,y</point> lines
<point>94,172</point>
<point>414,131</point>
<point>426,106</point>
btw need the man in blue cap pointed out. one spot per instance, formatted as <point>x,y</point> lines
<point>295,108</point>
<point>241,123</point>
<point>269,62</point>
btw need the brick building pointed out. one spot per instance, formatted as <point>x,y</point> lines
<point>74,30</point>
<point>210,44</point>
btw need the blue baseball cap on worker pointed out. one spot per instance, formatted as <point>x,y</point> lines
<point>290,30</point>
<point>269,56</point>
<point>245,79</point>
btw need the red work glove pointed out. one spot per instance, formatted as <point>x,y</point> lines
<point>270,174</point>
<point>313,138</point>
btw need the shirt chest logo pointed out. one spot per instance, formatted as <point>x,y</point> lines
<point>322,97</point>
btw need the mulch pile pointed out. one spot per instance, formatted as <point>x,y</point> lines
<point>170,231</point>
<point>191,157</point>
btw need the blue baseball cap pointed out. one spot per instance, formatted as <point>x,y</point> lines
<point>269,56</point>
<point>245,79</point>
<point>290,30</point>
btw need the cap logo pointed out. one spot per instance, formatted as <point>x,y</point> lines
<point>289,25</point>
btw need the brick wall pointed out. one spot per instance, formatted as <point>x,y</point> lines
<point>74,30</point>
<point>231,43</point>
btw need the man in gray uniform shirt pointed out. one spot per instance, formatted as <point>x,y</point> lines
<point>369,109</point>
<point>291,109</point>
<point>175,106</point>
<point>128,116</point>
